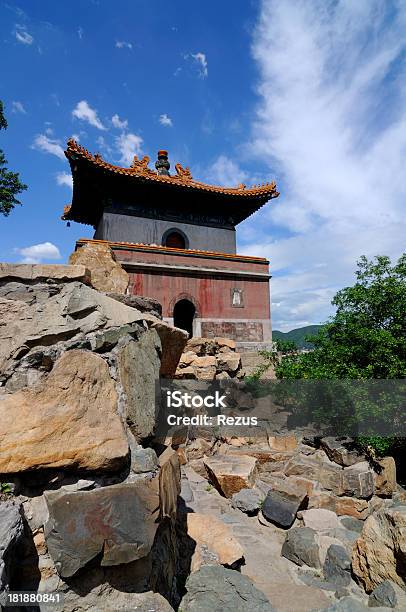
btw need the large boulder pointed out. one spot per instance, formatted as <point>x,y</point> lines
<point>213,541</point>
<point>11,531</point>
<point>106,273</point>
<point>68,421</point>
<point>216,588</point>
<point>380,552</point>
<point>230,473</point>
<point>138,365</point>
<point>118,522</point>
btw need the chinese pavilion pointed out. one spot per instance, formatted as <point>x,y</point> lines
<point>176,238</point>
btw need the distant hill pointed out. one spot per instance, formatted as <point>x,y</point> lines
<point>298,335</point>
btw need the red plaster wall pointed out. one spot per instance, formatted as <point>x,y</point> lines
<point>211,295</point>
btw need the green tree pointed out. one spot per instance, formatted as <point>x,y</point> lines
<point>365,339</point>
<point>10,184</point>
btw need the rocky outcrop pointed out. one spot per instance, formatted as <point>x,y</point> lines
<point>380,551</point>
<point>216,588</point>
<point>209,359</point>
<point>106,273</point>
<point>62,421</point>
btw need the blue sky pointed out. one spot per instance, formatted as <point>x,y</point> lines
<point>309,93</point>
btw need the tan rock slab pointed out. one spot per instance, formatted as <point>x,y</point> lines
<point>385,477</point>
<point>210,533</point>
<point>43,272</point>
<point>231,473</point>
<point>70,420</point>
<point>283,443</point>
<point>106,273</point>
<point>319,519</point>
<point>342,506</point>
<point>379,553</point>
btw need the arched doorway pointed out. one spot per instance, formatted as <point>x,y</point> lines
<point>175,238</point>
<point>183,315</point>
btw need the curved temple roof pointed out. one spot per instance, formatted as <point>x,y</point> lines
<point>139,171</point>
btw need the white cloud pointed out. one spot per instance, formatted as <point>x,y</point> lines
<point>80,32</point>
<point>332,123</point>
<point>165,120</point>
<point>38,252</point>
<point>48,145</point>
<point>84,112</point>
<point>128,145</point>
<point>123,44</point>
<point>225,171</point>
<point>200,58</point>
<point>17,107</point>
<point>64,178</point>
<point>23,36</point>
<point>118,123</point>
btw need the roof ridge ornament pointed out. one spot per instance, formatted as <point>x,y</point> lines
<point>183,173</point>
<point>141,164</point>
<point>162,164</point>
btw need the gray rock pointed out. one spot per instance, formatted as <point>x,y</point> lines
<point>301,547</point>
<point>337,566</point>
<point>143,460</point>
<point>247,500</point>
<point>281,504</point>
<point>138,366</point>
<point>214,588</point>
<point>389,595</point>
<point>347,604</point>
<point>117,521</point>
<point>141,303</point>
<point>11,531</point>
<point>186,492</point>
<point>352,524</point>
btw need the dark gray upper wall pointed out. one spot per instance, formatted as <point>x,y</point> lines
<point>125,228</point>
